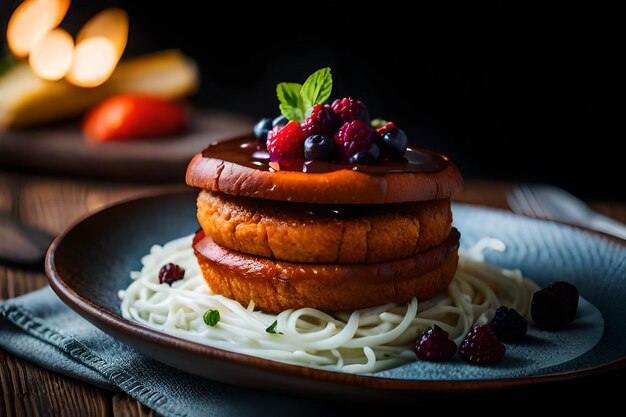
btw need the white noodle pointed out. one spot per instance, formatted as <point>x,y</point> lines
<point>362,341</point>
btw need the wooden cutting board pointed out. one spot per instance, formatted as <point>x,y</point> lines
<point>62,149</point>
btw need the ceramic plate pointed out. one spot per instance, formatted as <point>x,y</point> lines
<point>61,148</point>
<point>90,262</point>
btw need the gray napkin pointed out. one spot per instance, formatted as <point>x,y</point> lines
<point>38,327</point>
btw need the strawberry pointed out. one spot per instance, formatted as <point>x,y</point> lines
<point>132,116</point>
<point>286,142</point>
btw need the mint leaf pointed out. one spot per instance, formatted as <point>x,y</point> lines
<point>378,122</point>
<point>211,317</point>
<point>291,105</point>
<point>297,101</point>
<point>272,328</point>
<point>317,88</point>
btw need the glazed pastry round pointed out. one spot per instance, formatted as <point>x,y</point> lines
<point>235,172</point>
<point>310,233</point>
<point>275,286</point>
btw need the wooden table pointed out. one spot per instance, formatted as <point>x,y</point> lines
<point>51,204</point>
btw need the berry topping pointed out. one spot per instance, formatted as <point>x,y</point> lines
<point>352,138</point>
<point>481,346</point>
<point>394,141</point>
<point>381,130</point>
<point>350,109</point>
<point>262,128</point>
<point>319,147</point>
<point>366,157</point>
<point>280,121</point>
<point>435,345</point>
<point>273,132</point>
<point>322,120</point>
<point>508,325</point>
<point>170,273</point>
<point>554,306</point>
<point>286,142</point>
<point>346,122</point>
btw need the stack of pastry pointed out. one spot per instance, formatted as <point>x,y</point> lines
<point>337,237</point>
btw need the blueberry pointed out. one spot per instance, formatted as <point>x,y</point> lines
<point>396,141</point>
<point>366,157</point>
<point>319,147</point>
<point>262,127</point>
<point>280,121</point>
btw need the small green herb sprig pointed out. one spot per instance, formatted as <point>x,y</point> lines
<point>297,100</point>
<point>211,317</point>
<point>272,328</point>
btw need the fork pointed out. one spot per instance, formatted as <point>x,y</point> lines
<point>21,245</point>
<point>552,203</point>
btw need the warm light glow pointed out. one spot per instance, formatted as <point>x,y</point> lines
<point>31,20</point>
<point>99,46</point>
<point>94,62</point>
<point>111,24</point>
<point>51,56</point>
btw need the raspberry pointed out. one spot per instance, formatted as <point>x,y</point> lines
<point>385,128</point>
<point>508,325</point>
<point>354,137</point>
<point>435,345</point>
<point>322,120</point>
<point>349,109</point>
<point>286,142</point>
<point>170,273</point>
<point>481,346</point>
<point>554,306</point>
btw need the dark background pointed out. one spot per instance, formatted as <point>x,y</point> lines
<point>509,91</point>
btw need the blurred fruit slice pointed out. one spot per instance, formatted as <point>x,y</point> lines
<point>51,56</point>
<point>94,62</point>
<point>26,99</point>
<point>111,24</point>
<point>132,116</point>
<point>31,20</point>
<point>99,47</point>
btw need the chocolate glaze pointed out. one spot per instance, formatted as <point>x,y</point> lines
<point>273,208</point>
<point>247,151</point>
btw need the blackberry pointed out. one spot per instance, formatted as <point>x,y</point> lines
<point>554,306</point>
<point>508,324</point>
